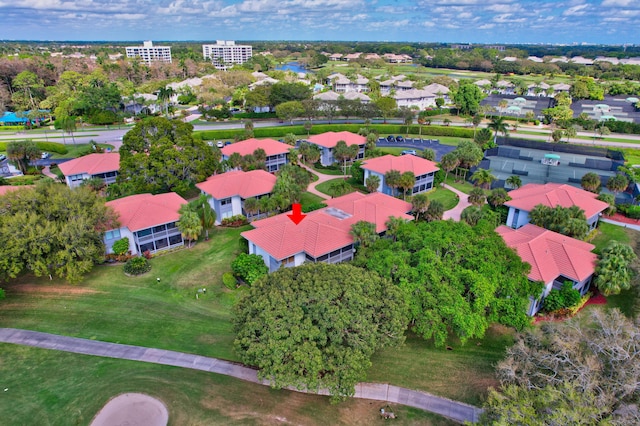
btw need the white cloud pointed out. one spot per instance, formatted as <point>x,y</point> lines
<point>621,3</point>
<point>579,10</point>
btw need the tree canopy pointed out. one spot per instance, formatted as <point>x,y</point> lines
<point>579,372</point>
<point>569,221</point>
<point>456,279</point>
<point>317,325</point>
<point>160,155</point>
<point>52,230</point>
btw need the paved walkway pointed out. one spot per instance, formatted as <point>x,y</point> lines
<point>624,225</point>
<point>463,203</point>
<point>47,172</point>
<point>321,178</point>
<point>377,391</point>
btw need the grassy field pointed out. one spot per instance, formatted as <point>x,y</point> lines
<point>111,307</point>
<point>309,198</point>
<point>325,187</point>
<point>448,198</point>
<point>56,388</point>
<point>463,186</point>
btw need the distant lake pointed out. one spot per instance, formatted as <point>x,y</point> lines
<point>292,66</point>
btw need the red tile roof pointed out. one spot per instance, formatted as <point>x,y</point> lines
<point>91,164</point>
<point>555,194</point>
<point>323,231</point>
<point>404,163</point>
<point>237,182</point>
<point>330,139</point>
<point>246,147</point>
<point>143,211</point>
<point>550,254</point>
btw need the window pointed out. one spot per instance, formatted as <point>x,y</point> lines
<point>144,232</point>
<point>225,201</point>
<point>112,235</point>
<point>171,225</point>
<point>289,260</point>
<point>175,239</point>
<point>162,243</point>
<point>159,228</point>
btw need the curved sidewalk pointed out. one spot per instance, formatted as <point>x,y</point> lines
<point>377,391</point>
<point>463,203</point>
<point>321,178</point>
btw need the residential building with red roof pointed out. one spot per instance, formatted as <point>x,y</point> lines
<point>277,152</point>
<point>229,190</point>
<point>524,199</point>
<point>102,166</point>
<point>423,169</point>
<point>327,142</point>
<point>554,259</point>
<point>149,221</point>
<point>323,235</point>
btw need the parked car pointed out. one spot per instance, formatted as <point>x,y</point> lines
<point>227,143</point>
<point>45,155</point>
<point>220,144</point>
<point>409,151</point>
<point>390,138</point>
<point>3,157</point>
<point>399,139</point>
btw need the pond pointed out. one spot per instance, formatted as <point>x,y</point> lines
<point>292,66</point>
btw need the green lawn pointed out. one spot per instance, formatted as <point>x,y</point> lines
<point>608,232</point>
<point>309,198</point>
<point>325,187</point>
<point>56,388</point>
<point>111,307</point>
<point>448,198</point>
<point>326,171</point>
<point>463,186</point>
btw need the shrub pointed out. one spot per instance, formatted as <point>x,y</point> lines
<point>1,294</point>
<point>629,210</point>
<point>103,117</point>
<point>121,246</point>
<point>137,266</point>
<point>314,206</point>
<point>229,280</point>
<point>234,221</point>
<point>249,267</point>
<point>565,298</point>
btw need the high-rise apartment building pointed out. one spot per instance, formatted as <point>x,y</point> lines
<point>150,53</point>
<point>226,53</point>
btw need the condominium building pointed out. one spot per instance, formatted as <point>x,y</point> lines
<point>226,53</point>
<point>150,53</point>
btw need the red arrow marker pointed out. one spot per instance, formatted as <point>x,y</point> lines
<point>297,215</point>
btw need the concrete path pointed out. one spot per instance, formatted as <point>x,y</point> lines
<point>622,224</point>
<point>377,391</point>
<point>321,178</point>
<point>463,203</point>
<point>47,172</point>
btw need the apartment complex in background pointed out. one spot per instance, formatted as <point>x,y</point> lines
<point>150,53</point>
<point>226,53</point>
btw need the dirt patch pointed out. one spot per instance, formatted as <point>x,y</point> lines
<point>50,289</point>
<point>132,409</point>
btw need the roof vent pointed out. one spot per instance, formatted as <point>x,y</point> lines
<point>337,213</point>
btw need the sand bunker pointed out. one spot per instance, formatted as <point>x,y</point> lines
<point>132,409</point>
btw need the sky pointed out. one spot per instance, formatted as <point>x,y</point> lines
<point>461,21</point>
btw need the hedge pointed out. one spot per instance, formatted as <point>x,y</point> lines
<point>137,266</point>
<point>622,127</point>
<point>255,115</point>
<point>281,131</point>
<point>11,127</point>
<point>42,146</point>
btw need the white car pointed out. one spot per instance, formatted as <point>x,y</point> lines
<point>220,144</point>
<point>45,155</point>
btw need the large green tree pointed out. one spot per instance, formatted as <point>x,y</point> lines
<point>467,98</point>
<point>23,152</point>
<point>52,230</point>
<point>317,325</point>
<point>457,280</point>
<point>161,155</point>
<point>569,221</point>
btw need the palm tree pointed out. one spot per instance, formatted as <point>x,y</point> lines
<point>482,137</point>
<point>392,180</point>
<point>339,187</point>
<point>235,160</point>
<point>591,182</point>
<point>476,120</point>
<point>498,197</point>
<point>498,125</point>
<point>407,182</point>
<point>472,215</point>
<point>483,178</point>
<point>251,206</point>
<point>164,95</point>
<point>189,225</point>
<point>617,183</point>
<point>570,132</point>
<point>502,105</point>
<point>363,233</point>
<point>205,213</point>
<point>514,182</point>
<point>477,197</point>
<point>448,163</point>
<point>372,183</point>
<point>393,224</point>
<point>419,204</point>
<point>435,211</point>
